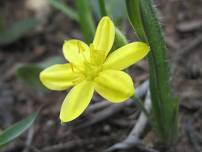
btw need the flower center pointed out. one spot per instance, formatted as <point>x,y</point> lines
<point>92,64</point>
<point>91,71</point>
<point>97,57</point>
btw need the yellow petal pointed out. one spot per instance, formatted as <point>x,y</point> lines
<point>59,77</point>
<point>76,101</point>
<point>115,86</point>
<point>76,51</point>
<point>104,36</point>
<point>126,56</point>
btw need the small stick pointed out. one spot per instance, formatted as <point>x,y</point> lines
<point>61,146</point>
<point>29,139</point>
<point>194,138</point>
<point>98,106</point>
<point>133,139</point>
<point>74,144</point>
<point>186,51</point>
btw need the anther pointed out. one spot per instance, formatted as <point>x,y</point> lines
<point>72,67</point>
<point>81,48</point>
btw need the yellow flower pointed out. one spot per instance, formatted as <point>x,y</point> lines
<point>91,68</point>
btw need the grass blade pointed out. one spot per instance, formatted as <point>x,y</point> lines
<point>134,13</point>
<point>68,11</point>
<point>86,19</point>
<point>165,105</point>
<point>17,129</point>
<point>17,30</point>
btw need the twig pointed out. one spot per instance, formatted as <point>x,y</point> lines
<point>188,26</point>
<point>29,139</point>
<point>141,122</point>
<point>194,138</point>
<point>67,145</point>
<point>133,139</point>
<point>21,143</point>
<point>74,143</point>
<point>179,57</point>
<point>33,148</point>
<point>98,106</point>
<point>172,44</point>
<point>114,108</point>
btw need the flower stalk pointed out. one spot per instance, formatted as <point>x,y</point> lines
<point>165,105</point>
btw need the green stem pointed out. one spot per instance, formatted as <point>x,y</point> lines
<point>140,104</point>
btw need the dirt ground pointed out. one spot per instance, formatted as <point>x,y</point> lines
<point>182,22</point>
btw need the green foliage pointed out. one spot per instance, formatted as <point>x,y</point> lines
<point>68,11</point>
<point>17,129</point>
<point>17,30</point>
<point>82,15</point>
<point>29,73</point>
<point>113,7</point>
<point>140,104</point>
<point>103,10</point>
<point>120,40</point>
<point>134,13</point>
<point>116,9</point>
<point>165,104</point>
<point>51,61</point>
<point>85,19</point>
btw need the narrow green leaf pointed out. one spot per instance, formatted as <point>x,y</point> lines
<point>120,40</point>
<point>165,105</point>
<point>116,9</point>
<point>68,11</point>
<point>134,13</point>
<point>17,129</point>
<point>103,10</point>
<point>17,30</point>
<point>51,61</point>
<point>140,104</point>
<point>164,102</point>
<point>113,7</point>
<point>95,8</point>
<point>29,74</point>
<point>85,19</point>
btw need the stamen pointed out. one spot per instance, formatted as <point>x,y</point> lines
<point>97,56</point>
<point>72,67</point>
<point>81,48</point>
<point>79,79</point>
